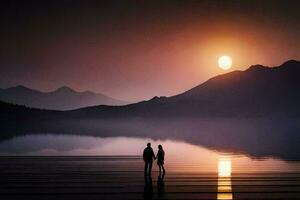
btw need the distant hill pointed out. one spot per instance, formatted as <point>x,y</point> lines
<point>256,92</point>
<point>63,98</point>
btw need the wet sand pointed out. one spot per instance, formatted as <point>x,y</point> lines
<point>121,177</point>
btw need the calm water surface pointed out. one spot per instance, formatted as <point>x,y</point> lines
<point>112,168</point>
<point>180,156</point>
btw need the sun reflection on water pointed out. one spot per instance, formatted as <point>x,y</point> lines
<point>224,179</point>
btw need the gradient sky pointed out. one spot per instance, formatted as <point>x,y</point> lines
<point>134,50</point>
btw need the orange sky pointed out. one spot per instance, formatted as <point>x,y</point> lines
<point>134,50</point>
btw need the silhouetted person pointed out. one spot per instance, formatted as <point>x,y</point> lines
<point>148,157</point>
<point>160,161</point>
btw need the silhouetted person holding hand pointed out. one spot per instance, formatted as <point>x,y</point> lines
<point>148,157</point>
<point>160,161</point>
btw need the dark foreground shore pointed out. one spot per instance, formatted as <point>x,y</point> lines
<point>71,178</point>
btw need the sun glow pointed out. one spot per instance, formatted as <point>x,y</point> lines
<point>224,179</point>
<point>225,62</point>
<point>224,168</point>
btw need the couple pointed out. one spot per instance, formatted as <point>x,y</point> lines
<point>148,157</point>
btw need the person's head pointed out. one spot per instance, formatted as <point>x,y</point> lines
<point>148,144</point>
<point>160,147</point>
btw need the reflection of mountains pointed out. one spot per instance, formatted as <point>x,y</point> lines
<point>254,111</point>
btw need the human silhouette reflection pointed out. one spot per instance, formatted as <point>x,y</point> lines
<point>148,189</point>
<point>160,186</point>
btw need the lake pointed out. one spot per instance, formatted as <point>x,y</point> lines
<point>47,166</point>
<point>179,154</point>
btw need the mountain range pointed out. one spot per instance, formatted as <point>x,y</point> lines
<point>258,91</point>
<point>64,98</point>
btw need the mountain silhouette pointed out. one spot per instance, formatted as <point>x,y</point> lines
<point>64,98</point>
<point>256,92</point>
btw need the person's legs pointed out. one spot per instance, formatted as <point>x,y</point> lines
<point>164,171</point>
<point>150,168</point>
<point>159,166</point>
<point>146,168</point>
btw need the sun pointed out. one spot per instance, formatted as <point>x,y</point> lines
<point>225,62</point>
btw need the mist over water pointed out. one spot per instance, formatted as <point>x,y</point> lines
<point>256,137</point>
<point>179,155</point>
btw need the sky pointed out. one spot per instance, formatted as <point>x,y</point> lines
<point>134,50</point>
